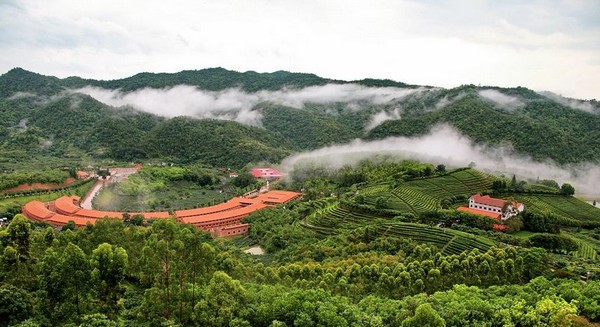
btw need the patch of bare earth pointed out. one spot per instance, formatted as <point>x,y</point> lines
<point>39,186</point>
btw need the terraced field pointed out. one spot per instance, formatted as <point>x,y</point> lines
<point>415,200</point>
<point>569,207</point>
<point>423,195</point>
<point>372,192</point>
<point>585,250</point>
<point>465,182</point>
<point>449,241</point>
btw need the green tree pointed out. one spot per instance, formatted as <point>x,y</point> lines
<point>159,255</point>
<point>425,316</point>
<point>108,265</point>
<point>567,189</point>
<point>97,320</point>
<point>223,297</point>
<point>18,236</point>
<point>70,225</point>
<point>75,272</point>
<point>15,305</point>
<point>440,168</point>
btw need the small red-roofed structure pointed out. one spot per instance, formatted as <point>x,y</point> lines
<point>267,173</point>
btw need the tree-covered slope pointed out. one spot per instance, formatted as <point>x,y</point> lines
<point>540,128</point>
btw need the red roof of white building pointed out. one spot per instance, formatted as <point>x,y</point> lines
<point>487,200</point>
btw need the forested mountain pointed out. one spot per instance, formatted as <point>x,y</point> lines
<point>294,111</point>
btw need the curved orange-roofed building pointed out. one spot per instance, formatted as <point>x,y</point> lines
<point>37,210</point>
<point>223,219</point>
<point>229,205</point>
<point>66,205</point>
<point>222,216</point>
<point>152,215</point>
<point>61,220</point>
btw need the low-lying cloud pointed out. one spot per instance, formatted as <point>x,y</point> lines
<point>573,103</point>
<point>505,101</point>
<point>238,105</point>
<point>445,145</point>
<point>382,116</point>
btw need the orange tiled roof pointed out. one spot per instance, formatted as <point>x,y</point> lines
<point>98,214</point>
<point>223,215</point>
<point>152,215</point>
<point>61,220</point>
<point>66,205</point>
<point>278,197</point>
<point>37,210</point>
<point>480,212</point>
<point>231,204</point>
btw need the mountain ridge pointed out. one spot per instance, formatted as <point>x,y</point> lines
<point>541,126</point>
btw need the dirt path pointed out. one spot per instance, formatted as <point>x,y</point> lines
<point>117,176</point>
<point>86,203</point>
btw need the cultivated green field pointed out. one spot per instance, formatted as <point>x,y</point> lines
<point>423,195</point>
<point>178,195</point>
<point>566,206</point>
<point>328,220</point>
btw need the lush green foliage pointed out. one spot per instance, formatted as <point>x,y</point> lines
<point>541,128</point>
<point>46,176</point>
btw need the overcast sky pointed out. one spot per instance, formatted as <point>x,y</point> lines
<point>543,45</point>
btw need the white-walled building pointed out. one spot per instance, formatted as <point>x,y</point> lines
<point>505,209</point>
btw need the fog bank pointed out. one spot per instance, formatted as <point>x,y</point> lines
<point>238,105</point>
<point>501,99</point>
<point>572,103</point>
<point>445,145</point>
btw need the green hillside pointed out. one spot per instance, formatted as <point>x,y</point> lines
<point>540,128</point>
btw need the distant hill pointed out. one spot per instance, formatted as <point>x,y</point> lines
<point>40,117</point>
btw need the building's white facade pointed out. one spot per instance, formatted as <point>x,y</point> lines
<point>503,208</point>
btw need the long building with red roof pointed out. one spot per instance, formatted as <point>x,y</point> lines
<point>505,209</point>
<point>221,220</point>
